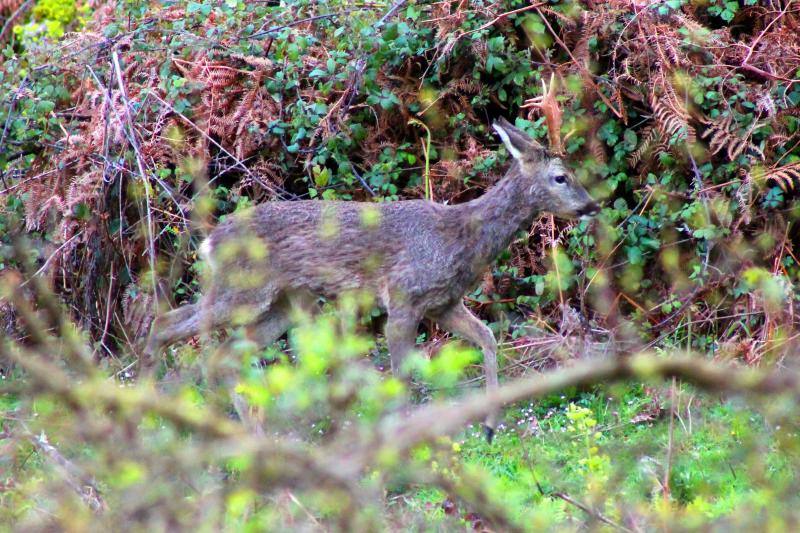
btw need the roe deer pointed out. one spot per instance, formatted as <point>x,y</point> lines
<point>417,258</point>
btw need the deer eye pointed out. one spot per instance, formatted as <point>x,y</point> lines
<point>560,179</point>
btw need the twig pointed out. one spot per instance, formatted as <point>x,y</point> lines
<point>10,114</point>
<point>668,467</point>
<point>752,47</point>
<point>303,508</point>
<point>303,21</point>
<point>52,256</point>
<point>588,510</point>
<point>278,191</point>
<point>581,66</point>
<point>389,13</point>
<point>362,181</point>
<point>399,436</point>
<point>469,488</point>
<point>501,16</point>
<point>426,150</point>
<point>109,307</point>
<point>591,512</point>
<point>13,17</point>
<point>145,182</point>
<point>354,86</point>
<point>79,482</point>
<point>283,462</point>
<point>104,157</point>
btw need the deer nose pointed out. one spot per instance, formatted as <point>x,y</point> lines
<point>589,210</point>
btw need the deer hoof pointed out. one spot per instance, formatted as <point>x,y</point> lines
<point>489,432</point>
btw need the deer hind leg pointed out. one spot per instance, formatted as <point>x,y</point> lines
<point>223,369</point>
<point>276,321</point>
<point>460,321</point>
<point>179,324</point>
<point>267,329</point>
<point>401,333</point>
<point>214,310</point>
<point>170,327</point>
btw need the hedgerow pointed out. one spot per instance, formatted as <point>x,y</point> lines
<point>127,129</point>
<point>682,117</point>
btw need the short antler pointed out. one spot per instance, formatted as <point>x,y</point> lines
<point>552,114</point>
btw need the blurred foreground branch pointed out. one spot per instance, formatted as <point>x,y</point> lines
<point>78,481</point>
<point>400,435</point>
<point>58,364</point>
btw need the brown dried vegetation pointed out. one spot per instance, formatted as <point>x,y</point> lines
<point>123,107</point>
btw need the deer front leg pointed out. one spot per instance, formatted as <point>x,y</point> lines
<point>401,333</point>
<point>460,321</point>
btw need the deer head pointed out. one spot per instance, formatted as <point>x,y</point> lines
<point>552,184</point>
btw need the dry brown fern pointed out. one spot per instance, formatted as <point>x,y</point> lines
<point>672,119</point>
<point>744,197</point>
<point>723,134</point>
<point>481,51</point>
<point>7,7</point>
<point>259,63</point>
<point>650,138</point>
<point>785,177</point>
<point>137,311</point>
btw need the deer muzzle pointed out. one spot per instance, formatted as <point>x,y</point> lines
<point>589,210</point>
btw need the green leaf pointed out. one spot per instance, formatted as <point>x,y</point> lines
<point>495,44</point>
<point>111,30</point>
<point>630,139</point>
<point>494,63</point>
<point>321,177</point>
<point>635,255</point>
<point>45,106</point>
<point>81,211</point>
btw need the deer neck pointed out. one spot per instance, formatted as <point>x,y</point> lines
<point>500,213</point>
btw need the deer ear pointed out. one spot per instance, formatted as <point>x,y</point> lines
<point>517,141</point>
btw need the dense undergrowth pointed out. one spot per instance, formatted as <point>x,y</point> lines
<point>681,116</point>
<point>336,453</point>
<point>127,129</point>
<point>588,446</point>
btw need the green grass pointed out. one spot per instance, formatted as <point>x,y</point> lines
<point>727,462</point>
<point>564,462</point>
